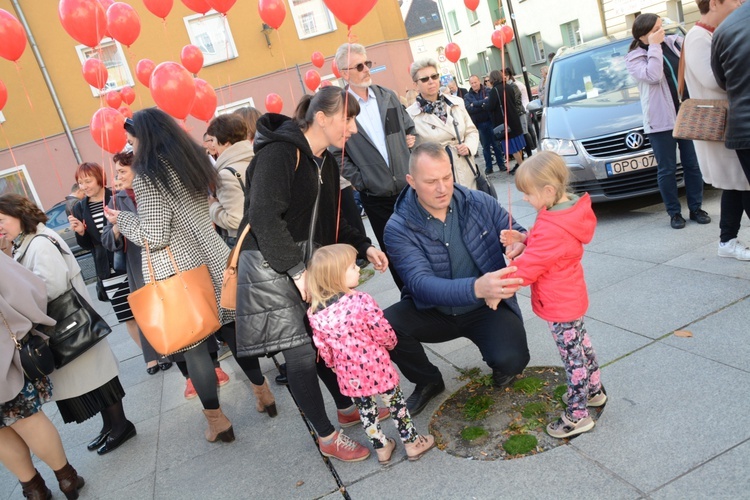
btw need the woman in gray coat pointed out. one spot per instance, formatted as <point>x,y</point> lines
<point>173,178</point>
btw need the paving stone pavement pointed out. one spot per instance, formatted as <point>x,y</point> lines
<point>677,424</point>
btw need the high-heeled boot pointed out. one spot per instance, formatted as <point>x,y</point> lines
<point>265,401</point>
<point>36,488</point>
<point>70,482</point>
<point>219,426</point>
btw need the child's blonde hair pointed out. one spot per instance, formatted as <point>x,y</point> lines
<point>542,169</point>
<point>326,273</point>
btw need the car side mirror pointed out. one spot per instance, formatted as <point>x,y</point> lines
<point>535,106</point>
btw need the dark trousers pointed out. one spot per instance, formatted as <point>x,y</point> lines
<point>379,209</point>
<point>744,156</point>
<point>499,335</point>
<point>665,150</point>
<point>489,144</point>
<point>733,203</point>
<point>350,211</point>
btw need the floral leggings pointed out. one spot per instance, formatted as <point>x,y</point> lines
<point>394,400</point>
<point>581,366</point>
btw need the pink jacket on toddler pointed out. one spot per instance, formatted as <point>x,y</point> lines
<point>353,337</point>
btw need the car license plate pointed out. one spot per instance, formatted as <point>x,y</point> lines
<point>630,165</point>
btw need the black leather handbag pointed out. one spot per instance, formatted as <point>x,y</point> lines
<point>36,357</point>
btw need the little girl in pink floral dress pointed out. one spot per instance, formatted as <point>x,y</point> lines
<point>353,338</point>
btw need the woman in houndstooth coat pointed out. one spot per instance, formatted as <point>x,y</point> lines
<point>171,189</point>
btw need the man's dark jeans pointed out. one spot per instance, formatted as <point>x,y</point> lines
<point>487,138</point>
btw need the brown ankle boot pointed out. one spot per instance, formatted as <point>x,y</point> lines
<point>70,482</point>
<point>36,489</point>
<point>219,426</point>
<point>265,401</point>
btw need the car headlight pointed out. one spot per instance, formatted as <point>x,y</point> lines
<point>563,147</point>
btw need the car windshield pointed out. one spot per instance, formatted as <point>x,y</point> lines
<point>590,74</point>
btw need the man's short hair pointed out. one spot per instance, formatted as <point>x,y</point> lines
<point>342,54</point>
<point>432,149</point>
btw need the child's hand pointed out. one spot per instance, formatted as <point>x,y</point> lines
<point>510,236</point>
<point>492,303</point>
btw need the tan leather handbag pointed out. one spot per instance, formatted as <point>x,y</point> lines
<point>179,312</point>
<point>229,283</point>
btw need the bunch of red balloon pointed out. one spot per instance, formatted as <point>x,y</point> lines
<point>502,36</point>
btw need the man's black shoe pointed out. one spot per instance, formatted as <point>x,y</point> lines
<point>281,377</point>
<point>420,397</point>
<point>488,171</point>
<point>500,381</point>
<point>677,221</point>
<point>700,216</point>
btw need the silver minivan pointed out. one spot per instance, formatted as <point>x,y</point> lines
<point>592,117</point>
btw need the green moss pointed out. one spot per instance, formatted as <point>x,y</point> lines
<point>529,385</point>
<point>560,390</point>
<point>472,433</point>
<point>470,373</point>
<point>520,444</point>
<point>477,407</point>
<point>534,409</point>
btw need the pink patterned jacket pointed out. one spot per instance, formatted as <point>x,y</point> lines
<point>354,338</point>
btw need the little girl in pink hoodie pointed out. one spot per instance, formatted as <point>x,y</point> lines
<point>353,338</point>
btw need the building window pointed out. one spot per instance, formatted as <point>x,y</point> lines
<point>16,180</point>
<point>452,21</point>
<point>484,67</point>
<point>571,34</point>
<point>472,15</point>
<point>111,54</point>
<point>463,65</point>
<point>312,18</point>
<point>2,117</point>
<point>212,35</point>
<point>234,106</point>
<point>537,47</point>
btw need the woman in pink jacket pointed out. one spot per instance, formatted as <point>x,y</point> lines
<point>551,264</point>
<point>354,338</point>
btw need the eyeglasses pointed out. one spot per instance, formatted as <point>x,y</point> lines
<point>426,79</point>
<point>361,66</point>
<point>487,81</point>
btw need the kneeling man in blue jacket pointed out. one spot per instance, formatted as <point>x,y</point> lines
<point>443,240</point>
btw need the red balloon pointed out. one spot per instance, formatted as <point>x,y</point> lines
<point>113,98</point>
<point>3,95</point>
<point>12,35</point>
<point>312,79</point>
<point>274,103</point>
<point>222,6</point>
<point>507,32</point>
<point>84,20</point>
<point>325,83</point>
<point>128,95</point>
<point>123,23</point>
<point>350,12</point>
<point>95,73</point>
<point>159,8</point>
<point>471,4</point>
<point>335,69</point>
<point>143,70</point>
<point>317,59</point>
<point>173,89</point>
<point>126,111</point>
<point>272,12</point>
<point>199,6</point>
<point>204,106</point>
<point>192,58</point>
<point>453,52</point>
<point>498,40</point>
<point>107,129</point>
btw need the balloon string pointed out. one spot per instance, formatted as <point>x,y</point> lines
<point>131,57</point>
<point>286,68</point>
<point>15,163</point>
<point>39,126</point>
<point>102,134</point>
<point>226,47</point>
<point>345,111</point>
<point>507,140</point>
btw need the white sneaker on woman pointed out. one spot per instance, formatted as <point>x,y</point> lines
<point>735,249</point>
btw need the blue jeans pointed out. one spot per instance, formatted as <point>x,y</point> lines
<point>665,150</point>
<point>487,138</point>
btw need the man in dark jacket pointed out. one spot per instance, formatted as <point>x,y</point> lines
<point>476,104</point>
<point>455,89</point>
<point>444,243</point>
<point>376,159</point>
<point>730,52</point>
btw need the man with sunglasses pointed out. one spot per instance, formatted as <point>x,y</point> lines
<point>376,160</point>
<point>476,104</point>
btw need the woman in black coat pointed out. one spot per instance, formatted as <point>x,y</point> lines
<point>502,97</point>
<point>88,221</point>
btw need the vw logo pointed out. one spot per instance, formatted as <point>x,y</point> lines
<point>634,140</point>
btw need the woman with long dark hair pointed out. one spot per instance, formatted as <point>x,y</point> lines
<point>503,111</point>
<point>292,168</point>
<point>171,186</point>
<point>653,60</point>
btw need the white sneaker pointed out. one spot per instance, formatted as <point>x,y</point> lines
<point>734,248</point>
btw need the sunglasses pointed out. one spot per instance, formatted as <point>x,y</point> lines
<point>426,79</point>
<point>361,66</point>
<point>486,81</point>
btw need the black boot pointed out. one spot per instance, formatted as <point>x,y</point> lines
<point>281,377</point>
<point>70,482</point>
<point>36,489</point>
